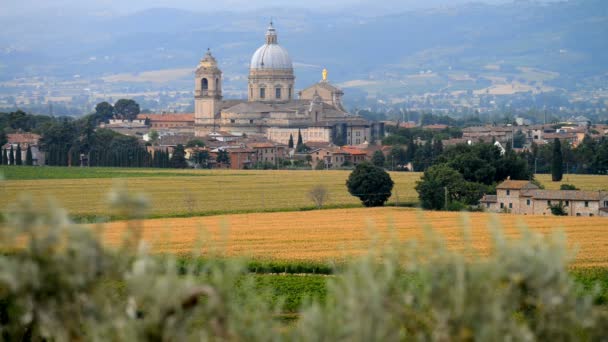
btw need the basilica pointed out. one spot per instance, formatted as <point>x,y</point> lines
<point>272,108</point>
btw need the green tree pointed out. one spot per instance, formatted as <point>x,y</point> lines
<point>153,135</point>
<point>126,109</point>
<point>202,159</point>
<point>3,157</point>
<point>103,112</point>
<point>568,187</point>
<point>3,138</point>
<point>519,139</point>
<point>290,144</point>
<point>436,185</point>
<point>29,160</point>
<point>371,184</point>
<point>195,143</point>
<point>300,141</point>
<point>11,156</point>
<point>223,157</point>
<point>558,209</point>
<point>18,160</point>
<point>557,164</point>
<point>378,159</point>
<point>178,159</point>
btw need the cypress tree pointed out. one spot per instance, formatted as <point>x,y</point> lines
<point>18,159</point>
<point>557,164</point>
<point>300,142</point>
<point>29,160</point>
<point>290,145</point>
<point>11,156</point>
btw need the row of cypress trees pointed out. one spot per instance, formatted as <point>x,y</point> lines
<point>12,157</point>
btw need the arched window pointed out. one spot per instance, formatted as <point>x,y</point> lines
<point>217,85</point>
<point>204,84</point>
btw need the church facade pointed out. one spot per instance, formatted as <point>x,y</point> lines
<point>272,108</point>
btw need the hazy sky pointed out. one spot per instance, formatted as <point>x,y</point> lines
<point>13,7</point>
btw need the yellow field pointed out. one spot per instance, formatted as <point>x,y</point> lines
<point>223,190</point>
<point>339,233</point>
<point>214,190</point>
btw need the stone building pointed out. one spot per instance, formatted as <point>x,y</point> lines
<point>24,140</point>
<point>524,197</point>
<point>271,108</point>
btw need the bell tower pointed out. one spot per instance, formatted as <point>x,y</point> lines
<point>207,95</point>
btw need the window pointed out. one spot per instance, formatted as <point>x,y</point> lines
<point>508,192</point>
<point>605,203</point>
<point>488,205</point>
<point>548,202</point>
<point>251,121</point>
<point>204,84</point>
<point>232,121</point>
<point>502,205</point>
<point>277,93</point>
<point>586,204</point>
<point>567,203</point>
<point>358,134</point>
<point>289,93</point>
<point>262,93</point>
<point>527,202</point>
<point>251,92</point>
<point>510,205</point>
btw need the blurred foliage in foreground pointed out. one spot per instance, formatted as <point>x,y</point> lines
<point>57,282</point>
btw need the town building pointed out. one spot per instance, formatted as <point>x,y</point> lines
<point>272,108</point>
<point>24,140</point>
<point>526,198</point>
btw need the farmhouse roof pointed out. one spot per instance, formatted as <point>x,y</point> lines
<point>566,195</point>
<point>23,138</point>
<point>489,199</point>
<point>516,185</point>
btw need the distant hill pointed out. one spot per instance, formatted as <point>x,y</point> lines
<point>555,45</point>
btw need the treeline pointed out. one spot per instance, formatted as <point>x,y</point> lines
<point>72,142</point>
<point>589,157</point>
<point>461,174</point>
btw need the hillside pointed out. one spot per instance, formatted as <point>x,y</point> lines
<point>521,46</point>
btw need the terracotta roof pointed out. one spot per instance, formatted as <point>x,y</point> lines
<point>516,185</point>
<point>262,145</point>
<point>354,151</point>
<point>167,117</point>
<point>23,138</point>
<point>489,199</point>
<point>240,150</point>
<point>566,195</point>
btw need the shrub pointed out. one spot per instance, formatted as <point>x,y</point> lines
<point>59,283</point>
<point>558,209</point>
<point>568,187</point>
<point>371,184</point>
<point>319,195</point>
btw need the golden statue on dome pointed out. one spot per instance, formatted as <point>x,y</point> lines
<point>324,73</point>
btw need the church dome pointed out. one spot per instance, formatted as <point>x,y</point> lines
<point>271,56</point>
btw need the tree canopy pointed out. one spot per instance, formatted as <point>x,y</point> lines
<point>371,184</point>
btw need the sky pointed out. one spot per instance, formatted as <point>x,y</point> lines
<point>16,7</point>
